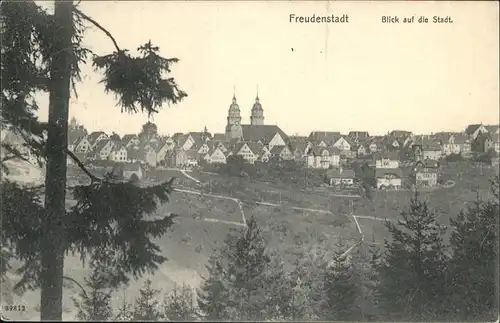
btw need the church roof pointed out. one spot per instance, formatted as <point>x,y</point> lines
<point>263,133</point>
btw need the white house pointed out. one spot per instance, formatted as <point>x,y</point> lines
<point>243,150</point>
<point>80,145</point>
<point>216,156</point>
<point>323,157</point>
<point>387,160</point>
<point>118,153</point>
<point>103,148</point>
<point>342,144</point>
<point>388,178</point>
<point>340,177</point>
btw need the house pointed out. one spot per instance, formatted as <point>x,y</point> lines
<point>340,177</point>
<point>118,153</point>
<point>362,150</point>
<point>95,137</point>
<point>192,157</point>
<point>164,148</point>
<point>464,144</point>
<point>183,141</point>
<point>130,140</point>
<point>431,150</point>
<point>474,130</point>
<point>387,160</point>
<point>268,135</point>
<point>400,134</point>
<point>75,133</point>
<point>426,173</point>
<point>216,156</point>
<point>135,155</point>
<point>323,138</point>
<point>132,170</point>
<point>244,150</point>
<point>358,136</point>
<point>176,158</point>
<point>283,152</point>
<point>388,178</point>
<point>299,148</point>
<point>343,143</point>
<point>102,149</point>
<point>323,157</point>
<point>80,145</point>
<point>447,142</point>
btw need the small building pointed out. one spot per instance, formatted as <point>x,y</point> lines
<point>388,160</point>
<point>176,158</point>
<point>132,170</point>
<point>340,177</point>
<point>388,178</point>
<point>426,173</point>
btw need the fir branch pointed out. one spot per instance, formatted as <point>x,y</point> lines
<point>93,178</point>
<point>78,284</point>
<point>98,25</point>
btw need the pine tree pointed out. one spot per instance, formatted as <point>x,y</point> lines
<point>245,282</point>
<point>473,267</point>
<point>178,305</point>
<point>147,305</point>
<point>340,290</point>
<point>94,305</point>
<point>43,52</point>
<point>413,271</point>
<point>307,284</point>
<point>125,313</point>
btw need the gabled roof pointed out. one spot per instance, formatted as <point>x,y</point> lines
<point>328,137</point>
<point>255,147</point>
<point>74,134</point>
<point>472,128</point>
<point>117,146</point>
<point>492,128</point>
<point>101,144</point>
<point>400,133</point>
<point>298,144</point>
<point>360,135</point>
<point>276,150</point>
<point>94,136</point>
<point>262,133</point>
<point>381,172</point>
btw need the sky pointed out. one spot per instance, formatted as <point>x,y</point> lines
<point>364,75</point>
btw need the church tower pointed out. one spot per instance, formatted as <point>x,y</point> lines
<point>233,127</point>
<point>257,116</point>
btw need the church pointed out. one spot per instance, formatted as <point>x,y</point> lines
<point>256,131</point>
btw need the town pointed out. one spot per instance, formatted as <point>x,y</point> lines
<point>399,158</point>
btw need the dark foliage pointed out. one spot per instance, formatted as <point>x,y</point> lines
<point>138,81</point>
<point>413,272</point>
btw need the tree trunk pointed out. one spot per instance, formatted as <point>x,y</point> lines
<point>55,180</point>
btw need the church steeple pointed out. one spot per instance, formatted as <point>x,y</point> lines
<point>233,127</point>
<point>257,116</point>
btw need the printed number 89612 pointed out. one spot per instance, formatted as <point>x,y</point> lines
<point>14,308</point>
